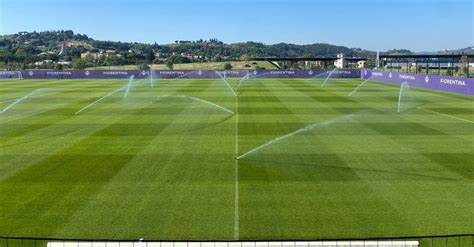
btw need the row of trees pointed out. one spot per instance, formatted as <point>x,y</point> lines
<point>28,47</point>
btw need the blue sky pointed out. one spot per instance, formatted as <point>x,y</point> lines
<point>419,25</point>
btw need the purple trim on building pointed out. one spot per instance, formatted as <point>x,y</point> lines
<point>171,74</point>
<point>436,82</point>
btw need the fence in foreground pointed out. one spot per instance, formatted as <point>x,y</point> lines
<point>424,241</point>
<point>436,82</point>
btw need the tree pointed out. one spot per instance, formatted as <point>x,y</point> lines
<point>179,59</point>
<point>6,56</point>
<point>80,64</point>
<point>102,60</point>
<point>449,71</point>
<point>23,56</point>
<point>227,66</point>
<point>89,58</point>
<point>419,69</point>
<point>58,66</point>
<point>144,66</point>
<point>37,46</point>
<point>465,65</point>
<point>113,59</point>
<point>176,59</point>
<point>150,55</point>
<point>170,63</point>
<point>244,57</point>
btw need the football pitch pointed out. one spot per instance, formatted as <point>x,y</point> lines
<point>259,159</point>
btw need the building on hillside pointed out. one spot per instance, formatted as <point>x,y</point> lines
<point>65,63</point>
<point>102,53</point>
<point>94,55</point>
<point>47,53</point>
<point>110,52</point>
<point>46,61</point>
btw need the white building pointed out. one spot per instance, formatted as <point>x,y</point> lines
<point>47,61</point>
<point>339,63</point>
<point>65,63</point>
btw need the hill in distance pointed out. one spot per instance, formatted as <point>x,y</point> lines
<point>35,49</point>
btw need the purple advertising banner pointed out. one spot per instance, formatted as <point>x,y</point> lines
<point>173,74</point>
<point>436,82</point>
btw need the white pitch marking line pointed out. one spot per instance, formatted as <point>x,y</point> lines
<point>458,118</point>
<point>226,83</point>
<point>236,172</point>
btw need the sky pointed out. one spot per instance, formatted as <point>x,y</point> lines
<point>418,25</point>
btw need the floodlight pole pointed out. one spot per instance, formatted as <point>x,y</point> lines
<point>468,68</point>
<point>378,60</point>
<point>439,67</point>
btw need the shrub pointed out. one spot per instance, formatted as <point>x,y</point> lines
<point>227,66</point>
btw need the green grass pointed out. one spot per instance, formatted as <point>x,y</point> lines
<point>164,168</point>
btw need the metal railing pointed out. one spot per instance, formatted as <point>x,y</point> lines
<point>428,241</point>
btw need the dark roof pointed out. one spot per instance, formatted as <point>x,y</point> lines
<point>355,59</point>
<point>294,59</point>
<point>425,56</point>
